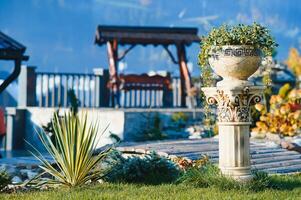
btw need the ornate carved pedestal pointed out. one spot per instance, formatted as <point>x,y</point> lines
<point>234,120</point>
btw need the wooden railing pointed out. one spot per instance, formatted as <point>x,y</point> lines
<point>144,90</point>
<point>51,90</point>
<point>90,89</point>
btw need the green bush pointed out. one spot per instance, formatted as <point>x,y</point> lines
<point>207,176</point>
<point>179,118</point>
<point>150,169</point>
<point>261,180</point>
<point>210,176</point>
<point>4,179</point>
<point>152,130</point>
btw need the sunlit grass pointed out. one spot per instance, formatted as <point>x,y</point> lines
<point>292,190</point>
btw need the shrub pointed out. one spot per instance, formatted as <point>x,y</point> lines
<point>284,114</point>
<point>73,101</point>
<point>261,180</point>
<point>186,163</point>
<point>115,138</point>
<point>4,179</point>
<point>210,121</point>
<point>73,153</point>
<point>294,61</point>
<point>152,130</point>
<point>179,118</point>
<point>209,175</point>
<point>150,169</point>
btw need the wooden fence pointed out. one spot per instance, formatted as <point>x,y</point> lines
<point>51,90</point>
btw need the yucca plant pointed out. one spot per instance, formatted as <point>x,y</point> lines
<point>72,151</point>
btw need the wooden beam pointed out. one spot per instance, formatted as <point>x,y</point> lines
<point>170,55</point>
<point>14,75</point>
<point>13,57</point>
<point>125,52</point>
<point>112,61</point>
<point>112,49</point>
<point>184,74</point>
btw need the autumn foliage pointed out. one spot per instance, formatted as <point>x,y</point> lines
<point>294,61</point>
<point>284,114</point>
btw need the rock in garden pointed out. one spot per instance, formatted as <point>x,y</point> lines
<point>10,169</point>
<point>257,135</point>
<point>16,180</point>
<point>24,172</point>
<point>31,174</point>
<point>196,135</point>
<point>288,139</point>
<point>273,137</point>
<point>190,130</point>
<point>272,144</point>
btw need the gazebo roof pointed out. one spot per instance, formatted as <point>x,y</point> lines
<point>146,35</point>
<point>11,49</point>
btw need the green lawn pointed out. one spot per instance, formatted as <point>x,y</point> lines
<point>289,187</point>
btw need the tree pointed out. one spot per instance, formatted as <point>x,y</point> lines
<point>294,61</point>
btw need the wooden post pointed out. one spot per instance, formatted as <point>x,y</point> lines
<point>167,94</point>
<point>27,86</point>
<point>102,97</point>
<point>184,74</point>
<point>112,49</point>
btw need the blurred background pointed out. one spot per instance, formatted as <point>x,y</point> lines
<point>59,34</point>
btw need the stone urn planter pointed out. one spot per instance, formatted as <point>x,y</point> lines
<point>235,64</point>
<point>234,95</point>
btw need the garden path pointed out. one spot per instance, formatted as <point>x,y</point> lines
<point>265,156</point>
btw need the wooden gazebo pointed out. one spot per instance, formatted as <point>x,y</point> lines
<point>11,50</point>
<point>113,36</point>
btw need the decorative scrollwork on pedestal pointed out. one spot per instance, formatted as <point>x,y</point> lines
<point>233,106</point>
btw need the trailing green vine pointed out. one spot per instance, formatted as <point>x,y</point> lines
<point>254,35</point>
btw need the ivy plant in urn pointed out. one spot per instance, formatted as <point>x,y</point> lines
<point>235,52</point>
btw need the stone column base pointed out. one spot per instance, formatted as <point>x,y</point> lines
<point>237,173</point>
<point>234,149</point>
<point>234,120</point>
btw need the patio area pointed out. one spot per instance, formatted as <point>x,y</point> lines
<point>266,156</point>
